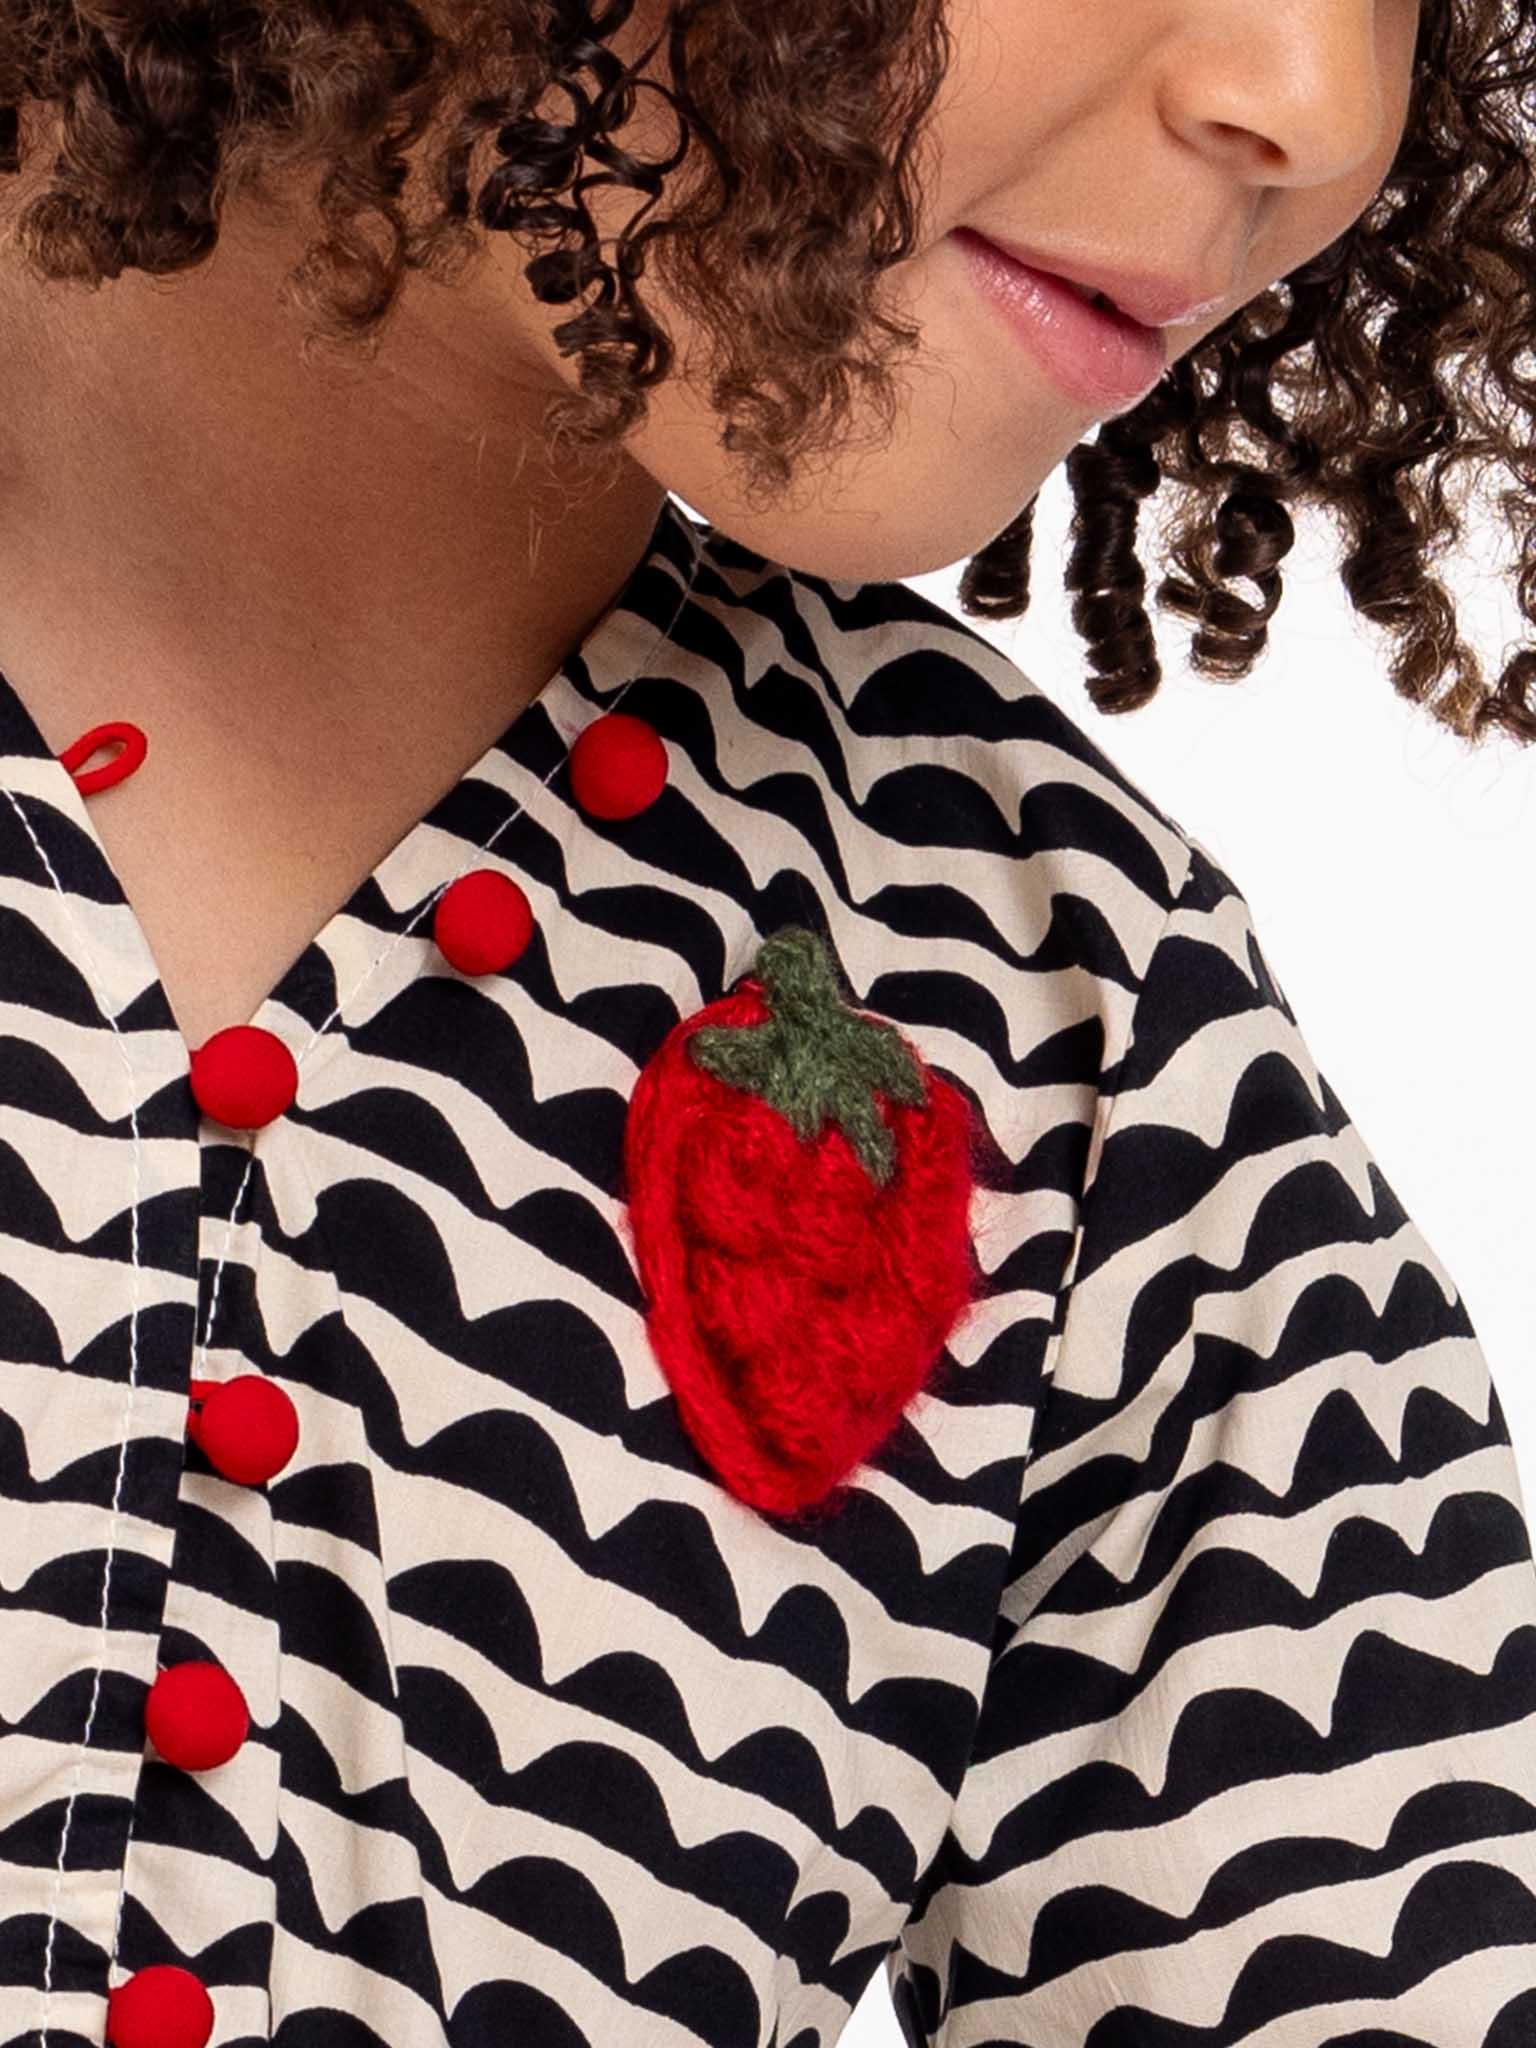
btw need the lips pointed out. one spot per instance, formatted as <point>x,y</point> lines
<point>1101,302</point>
<point>1147,298</point>
<point>1099,355</point>
<point>1088,296</point>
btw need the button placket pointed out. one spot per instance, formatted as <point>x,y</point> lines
<point>96,934</point>
<point>246,1077</point>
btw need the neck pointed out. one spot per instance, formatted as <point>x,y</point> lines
<point>198,523</point>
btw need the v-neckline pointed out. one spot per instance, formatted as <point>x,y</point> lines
<point>489,798</point>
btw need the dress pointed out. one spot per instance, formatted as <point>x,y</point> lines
<point>1167,1673</point>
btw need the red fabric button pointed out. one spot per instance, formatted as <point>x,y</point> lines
<point>482,922</point>
<point>247,1427</point>
<point>618,766</point>
<point>244,1076</point>
<point>196,1715</point>
<point>133,751</point>
<point>164,2006</point>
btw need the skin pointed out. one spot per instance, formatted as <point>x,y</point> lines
<point>326,586</point>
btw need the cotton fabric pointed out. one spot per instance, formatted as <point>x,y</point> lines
<point>1170,1675</point>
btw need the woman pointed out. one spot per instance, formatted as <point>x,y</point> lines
<point>680,1313</point>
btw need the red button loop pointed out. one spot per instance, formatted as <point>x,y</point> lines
<point>196,1715</point>
<point>247,1427</point>
<point>133,750</point>
<point>244,1076</point>
<point>163,2006</point>
<point>482,922</point>
<point>618,766</point>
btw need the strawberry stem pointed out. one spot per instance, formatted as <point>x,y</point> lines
<point>815,1060</point>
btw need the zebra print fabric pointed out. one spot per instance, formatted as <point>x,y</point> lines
<point>1170,1675</point>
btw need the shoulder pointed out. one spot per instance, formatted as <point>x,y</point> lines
<point>962,816</point>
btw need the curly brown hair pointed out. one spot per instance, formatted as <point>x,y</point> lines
<point>805,190</point>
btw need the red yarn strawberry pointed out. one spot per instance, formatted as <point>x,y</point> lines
<point>799,1192</point>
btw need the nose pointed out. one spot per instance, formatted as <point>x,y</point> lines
<point>1290,92</point>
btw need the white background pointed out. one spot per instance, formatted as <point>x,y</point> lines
<point>1387,867</point>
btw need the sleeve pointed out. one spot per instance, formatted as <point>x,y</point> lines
<point>1255,1760</point>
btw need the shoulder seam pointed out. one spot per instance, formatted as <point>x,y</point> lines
<point>1103,1122</point>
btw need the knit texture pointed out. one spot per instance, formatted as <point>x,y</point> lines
<point>799,1188</point>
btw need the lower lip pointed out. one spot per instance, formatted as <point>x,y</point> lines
<point>1101,358</point>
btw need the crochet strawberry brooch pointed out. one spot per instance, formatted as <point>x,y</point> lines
<point>799,1188</point>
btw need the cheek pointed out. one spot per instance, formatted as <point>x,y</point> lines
<point>1399,25</point>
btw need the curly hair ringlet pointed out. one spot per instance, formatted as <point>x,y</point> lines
<point>805,191</point>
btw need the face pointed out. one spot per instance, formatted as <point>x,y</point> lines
<point>1220,140</point>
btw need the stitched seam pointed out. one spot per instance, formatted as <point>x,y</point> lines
<point>1104,1124</point>
<point>133,1352</point>
<point>1104,1117</point>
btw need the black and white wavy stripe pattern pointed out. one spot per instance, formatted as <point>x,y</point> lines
<point>1256,1760</point>
<point>554,1741</point>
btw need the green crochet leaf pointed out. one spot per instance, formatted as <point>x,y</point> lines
<point>816,1060</point>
